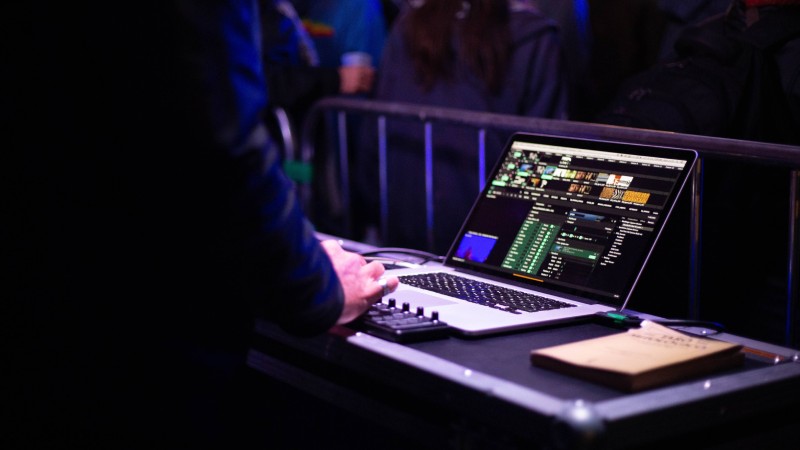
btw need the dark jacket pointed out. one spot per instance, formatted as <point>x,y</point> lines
<point>146,224</point>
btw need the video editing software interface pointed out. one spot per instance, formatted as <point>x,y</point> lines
<point>583,219</point>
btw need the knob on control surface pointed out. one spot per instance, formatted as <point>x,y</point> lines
<point>406,306</point>
<point>420,311</point>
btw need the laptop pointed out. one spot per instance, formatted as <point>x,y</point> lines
<point>561,231</point>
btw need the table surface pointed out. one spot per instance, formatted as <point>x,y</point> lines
<point>495,374</point>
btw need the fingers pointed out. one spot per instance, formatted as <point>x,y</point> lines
<point>388,284</point>
<point>379,285</point>
<point>355,79</point>
<point>363,283</point>
<point>366,80</point>
<point>331,246</point>
<point>373,270</point>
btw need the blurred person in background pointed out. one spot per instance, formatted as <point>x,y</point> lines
<point>295,77</point>
<point>478,55</point>
<point>338,27</point>
<point>731,75</point>
<point>349,34</point>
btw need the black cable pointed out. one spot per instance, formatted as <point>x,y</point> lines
<point>426,256</point>
<point>716,326</point>
<point>623,320</point>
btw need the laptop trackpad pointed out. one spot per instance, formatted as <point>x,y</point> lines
<point>420,299</point>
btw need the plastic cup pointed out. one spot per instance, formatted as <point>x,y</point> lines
<point>356,59</point>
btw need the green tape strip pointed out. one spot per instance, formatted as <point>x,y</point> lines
<point>298,171</point>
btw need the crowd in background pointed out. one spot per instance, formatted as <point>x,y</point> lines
<point>590,49</point>
<point>611,62</point>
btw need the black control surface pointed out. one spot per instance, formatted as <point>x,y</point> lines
<point>400,324</point>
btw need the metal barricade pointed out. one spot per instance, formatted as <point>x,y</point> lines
<point>340,109</point>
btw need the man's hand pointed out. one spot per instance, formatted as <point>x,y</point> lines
<point>356,79</point>
<point>360,280</point>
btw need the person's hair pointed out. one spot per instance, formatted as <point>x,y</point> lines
<point>442,33</point>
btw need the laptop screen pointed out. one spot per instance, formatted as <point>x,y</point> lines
<point>576,216</point>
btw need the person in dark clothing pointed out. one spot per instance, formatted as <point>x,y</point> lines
<point>147,225</point>
<point>733,75</point>
<point>501,57</point>
<point>605,42</point>
<point>679,15</point>
<point>391,9</point>
<point>295,78</point>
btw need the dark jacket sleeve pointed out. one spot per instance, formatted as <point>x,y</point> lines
<point>146,221</point>
<point>154,185</point>
<point>296,88</point>
<point>286,275</point>
<point>254,232</point>
<point>290,279</point>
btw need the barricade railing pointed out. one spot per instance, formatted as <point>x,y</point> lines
<point>334,113</point>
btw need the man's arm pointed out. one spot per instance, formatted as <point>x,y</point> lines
<point>286,274</point>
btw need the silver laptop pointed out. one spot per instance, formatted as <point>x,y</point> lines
<point>561,231</point>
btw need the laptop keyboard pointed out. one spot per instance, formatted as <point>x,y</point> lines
<point>490,295</point>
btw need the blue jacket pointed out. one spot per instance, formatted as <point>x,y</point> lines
<point>148,223</point>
